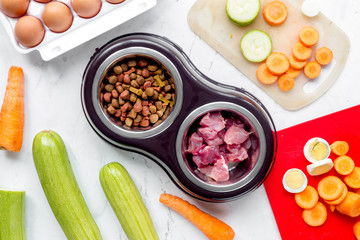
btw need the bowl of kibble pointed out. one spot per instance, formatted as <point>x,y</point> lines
<point>135,92</point>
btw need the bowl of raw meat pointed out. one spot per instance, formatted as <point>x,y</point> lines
<point>223,148</point>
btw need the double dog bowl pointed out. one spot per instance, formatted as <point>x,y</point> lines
<point>196,95</point>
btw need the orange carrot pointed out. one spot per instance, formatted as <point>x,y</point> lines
<point>356,230</point>
<point>308,198</point>
<point>330,188</point>
<point>323,56</point>
<point>212,227</point>
<point>309,36</point>
<point>332,208</point>
<point>277,63</point>
<point>353,179</point>
<point>286,82</point>
<point>301,52</point>
<point>351,205</point>
<point>344,165</point>
<point>264,76</point>
<point>294,73</point>
<point>275,13</point>
<point>316,216</point>
<point>296,64</point>
<point>339,199</point>
<point>339,147</point>
<point>12,112</point>
<point>312,70</point>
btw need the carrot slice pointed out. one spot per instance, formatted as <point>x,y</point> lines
<point>296,64</point>
<point>308,198</point>
<point>330,188</point>
<point>301,52</point>
<point>353,179</point>
<point>323,56</point>
<point>339,148</point>
<point>212,227</point>
<point>351,205</point>
<point>275,13</point>
<point>356,230</point>
<point>344,165</point>
<point>286,82</point>
<point>12,112</point>
<point>339,199</point>
<point>312,70</point>
<point>332,208</point>
<point>277,63</point>
<point>294,73</point>
<point>309,36</point>
<point>264,76</point>
<point>316,216</point>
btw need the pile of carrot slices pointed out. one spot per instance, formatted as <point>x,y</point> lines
<point>278,67</point>
<point>340,192</point>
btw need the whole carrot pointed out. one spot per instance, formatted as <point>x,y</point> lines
<point>212,227</point>
<point>12,112</point>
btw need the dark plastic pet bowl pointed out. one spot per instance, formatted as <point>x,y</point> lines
<point>196,94</point>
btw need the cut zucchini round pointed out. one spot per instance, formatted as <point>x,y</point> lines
<point>256,45</point>
<point>242,12</point>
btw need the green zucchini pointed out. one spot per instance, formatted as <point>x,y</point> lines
<point>12,215</point>
<point>242,12</point>
<point>127,203</point>
<point>61,189</point>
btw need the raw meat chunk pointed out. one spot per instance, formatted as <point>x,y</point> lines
<point>206,155</point>
<point>236,135</point>
<point>213,120</point>
<point>195,143</point>
<point>220,171</point>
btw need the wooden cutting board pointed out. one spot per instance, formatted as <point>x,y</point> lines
<point>341,125</point>
<point>208,19</point>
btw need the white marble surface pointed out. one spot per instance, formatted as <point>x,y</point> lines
<point>52,101</point>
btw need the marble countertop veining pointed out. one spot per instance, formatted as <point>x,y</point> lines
<point>52,101</point>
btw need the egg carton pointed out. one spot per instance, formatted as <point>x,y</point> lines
<point>81,31</point>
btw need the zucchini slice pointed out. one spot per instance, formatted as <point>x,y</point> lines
<point>256,45</point>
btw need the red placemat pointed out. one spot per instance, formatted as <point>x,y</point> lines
<point>343,125</point>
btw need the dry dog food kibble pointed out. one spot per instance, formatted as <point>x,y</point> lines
<point>137,92</point>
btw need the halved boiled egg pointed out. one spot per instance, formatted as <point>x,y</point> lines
<point>320,167</point>
<point>294,180</point>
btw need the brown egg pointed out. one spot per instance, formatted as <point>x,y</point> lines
<point>29,31</point>
<point>115,1</point>
<point>43,1</point>
<point>14,8</point>
<point>57,17</point>
<point>86,8</point>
